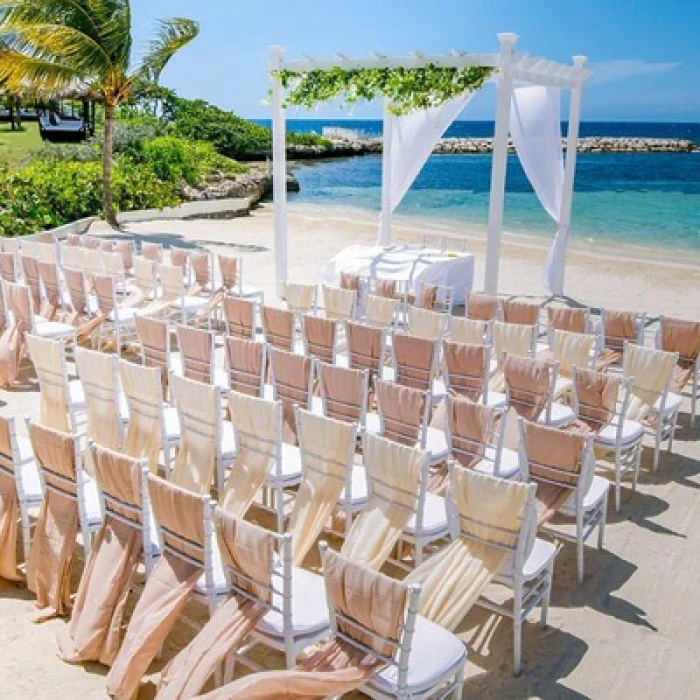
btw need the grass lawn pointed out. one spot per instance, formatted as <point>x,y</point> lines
<point>14,145</point>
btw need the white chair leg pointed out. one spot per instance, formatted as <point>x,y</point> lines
<point>580,544</point>
<point>459,682</point>
<point>26,531</point>
<point>517,626</point>
<point>544,612</point>
<point>279,508</point>
<point>601,524</point>
<point>657,445</point>
<point>618,480</point>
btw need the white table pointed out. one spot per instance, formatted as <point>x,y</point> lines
<point>406,263</point>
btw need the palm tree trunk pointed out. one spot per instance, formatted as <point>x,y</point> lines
<point>107,200</point>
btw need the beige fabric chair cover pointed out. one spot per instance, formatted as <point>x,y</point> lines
<point>75,281</point>
<point>373,600</point>
<point>349,280</point>
<point>245,360</point>
<point>152,251</point>
<point>144,394</point>
<point>425,323</point>
<point>385,288</point>
<point>278,325</point>
<point>513,338</point>
<point>107,246</point>
<point>179,256</point>
<point>414,360</point>
<point>597,394</point>
<point>453,579</point>
<point>171,285</point>
<point>197,353</point>
<point>468,330</point>
<point>126,250</point>
<point>4,320</point>
<point>73,239</point>
<point>528,382</point>
<point>300,297</point>
<point>402,410</point>
<point>240,317</point>
<point>572,350</point>
<point>428,296</point>
<point>48,272</point>
<point>380,311</point>
<point>113,263</point>
<point>167,589</point>
<point>470,424</point>
<point>8,271</point>
<point>144,273</point>
<point>466,366</point>
<point>339,304</point>
<point>91,243</point>
<point>92,262</point>
<point>98,374</point>
<point>292,380</point>
<point>94,631</point>
<point>562,318</point>
<point>153,335</point>
<point>327,449</point>
<point>73,257</point>
<point>651,372</point>
<point>555,459</point>
<point>394,472</point>
<point>199,411</point>
<point>320,336</point>
<point>30,269</point>
<point>9,508</point>
<point>482,307</point>
<point>228,266</point>
<point>364,347</point>
<point>12,341</point>
<point>201,269</point>
<point>343,390</point>
<point>682,337</point>
<point>257,424</point>
<point>620,326</point>
<point>248,549</point>
<point>49,361</point>
<point>51,556</point>
<point>521,312</point>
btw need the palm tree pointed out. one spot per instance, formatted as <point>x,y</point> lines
<point>53,45</point>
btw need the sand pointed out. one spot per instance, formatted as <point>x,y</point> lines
<point>629,630</point>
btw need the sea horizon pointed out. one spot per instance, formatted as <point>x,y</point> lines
<point>639,200</point>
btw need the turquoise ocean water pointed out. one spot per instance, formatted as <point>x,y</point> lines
<point>641,200</point>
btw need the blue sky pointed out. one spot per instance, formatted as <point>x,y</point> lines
<point>645,54</point>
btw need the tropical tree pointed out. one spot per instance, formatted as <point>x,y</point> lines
<point>54,45</point>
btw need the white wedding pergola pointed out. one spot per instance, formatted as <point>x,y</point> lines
<point>512,67</point>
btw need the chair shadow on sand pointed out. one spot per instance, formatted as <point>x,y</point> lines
<point>549,655</point>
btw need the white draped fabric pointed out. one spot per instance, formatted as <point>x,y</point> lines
<point>535,126</point>
<point>409,140</point>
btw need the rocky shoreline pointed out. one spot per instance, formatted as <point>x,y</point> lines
<point>456,146</point>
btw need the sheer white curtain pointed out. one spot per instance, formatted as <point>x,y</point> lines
<point>409,140</point>
<point>535,126</point>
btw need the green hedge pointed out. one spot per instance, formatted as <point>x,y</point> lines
<point>47,194</point>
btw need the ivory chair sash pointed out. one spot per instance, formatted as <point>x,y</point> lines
<point>12,341</point>
<point>469,330</point>
<point>339,304</point>
<point>301,298</point>
<point>425,323</point>
<point>94,630</point>
<point>70,502</point>
<point>381,312</point>
<point>327,449</point>
<point>571,350</point>
<point>145,276</point>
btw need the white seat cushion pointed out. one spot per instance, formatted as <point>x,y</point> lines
<point>53,329</point>
<point>247,290</point>
<point>436,655</point>
<point>291,465</point>
<point>93,504</point>
<point>436,444</point>
<point>219,577</point>
<point>31,483</point>
<point>228,441</point>
<point>359,492</point>
<point>439,388</point>
<point>372,423</point>
<point>540,556</point>
<point>76,394</point>
<point>123,314</point>
<point>434,517</point>
<point>561,415</point>
<point>598,489</point>
<point>268,392</point>
<point>172,423</point>
<point>508,468</point>
<point>309,608</point>
<point>562,386</point>
<point>631,432</point>
<point>192,303</point>
<point>672,405</point>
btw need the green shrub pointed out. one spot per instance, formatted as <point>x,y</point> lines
<point>230,135</point>
<point>48,194</point>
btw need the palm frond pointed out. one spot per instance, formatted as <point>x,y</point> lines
<point>21,73</point>
<point>172,35</point>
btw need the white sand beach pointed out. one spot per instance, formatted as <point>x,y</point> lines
<point>629,630</point>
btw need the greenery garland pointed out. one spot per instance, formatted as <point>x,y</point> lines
<point>407,89</point>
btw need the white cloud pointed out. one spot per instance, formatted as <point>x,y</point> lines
<point>622,69</point>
